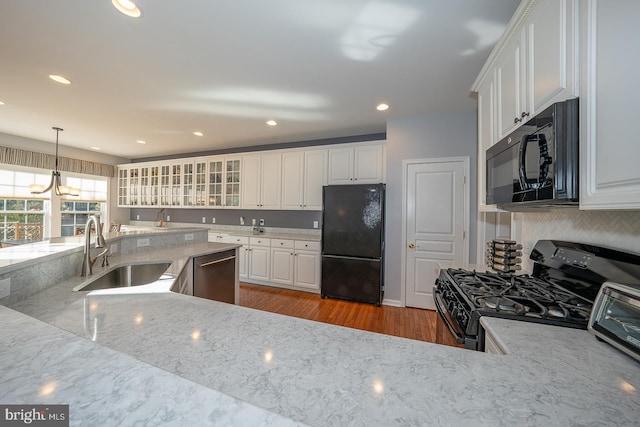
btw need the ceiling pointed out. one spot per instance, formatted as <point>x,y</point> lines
<point>222,67</point>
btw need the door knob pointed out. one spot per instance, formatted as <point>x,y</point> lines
<point>411,246</point>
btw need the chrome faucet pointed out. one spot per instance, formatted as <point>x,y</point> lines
<point>87,262</point>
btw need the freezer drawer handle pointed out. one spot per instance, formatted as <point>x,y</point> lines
<point>206,264</point>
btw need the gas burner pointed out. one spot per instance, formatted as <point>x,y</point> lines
<point>501,304</point>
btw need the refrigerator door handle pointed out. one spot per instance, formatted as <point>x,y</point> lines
<point>352,257</point>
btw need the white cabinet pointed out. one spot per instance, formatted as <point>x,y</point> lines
<point>609,151</point>
<point>217,237</point>
<point>243,253</point>
<point>303,175</point>
<point>360,164</point>
<point>165,184</point>
<point>194,182</point>
<point>536,63</point>
<point>295,263</point>
<point>307,264</point>
<point>282,257</point>
<point>224,182</point>
<point>486,136</point>
<point>259,260</point>
<point>123,186</point>
<point>175,186</point>
<point>134,186</point>
<point>510,84</point>
<point>261,181</point>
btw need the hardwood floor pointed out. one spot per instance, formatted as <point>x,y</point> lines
<point>405,322</point>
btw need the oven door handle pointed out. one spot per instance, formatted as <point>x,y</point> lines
<point>451,325</point>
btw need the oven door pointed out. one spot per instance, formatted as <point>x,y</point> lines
<point>448,332</point>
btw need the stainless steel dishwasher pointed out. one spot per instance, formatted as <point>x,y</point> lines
<point>214,276</point>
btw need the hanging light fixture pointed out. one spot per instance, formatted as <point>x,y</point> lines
<point>60,190</point>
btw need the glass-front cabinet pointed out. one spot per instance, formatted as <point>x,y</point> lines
<point>176,186</point>
<point>224,182</point>
<point>165,185</point>
<point>200,183</point>
<point>154,185</point>
<point>123,186</point>
<point>145,189</point>
<point>194,183</point>
<point>134,186</point>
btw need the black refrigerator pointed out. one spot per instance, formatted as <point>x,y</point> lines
<point>353,242</point>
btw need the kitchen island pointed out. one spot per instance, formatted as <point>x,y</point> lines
<point>326,375</point>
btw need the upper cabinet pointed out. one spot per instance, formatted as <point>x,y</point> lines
<point>534,64</point>
<point>224,182</point>
<point>279,179</point>
<point>359,164</point>
<point>609,151</point>
<point>486,134</point>
<point>261,181</point>
<point>303,175</point>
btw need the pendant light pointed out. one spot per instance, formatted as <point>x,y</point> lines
<point>60,190</point>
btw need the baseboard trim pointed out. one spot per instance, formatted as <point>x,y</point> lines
<point>392,302</point>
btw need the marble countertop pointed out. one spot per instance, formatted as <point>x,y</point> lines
<point>19,256</point>
<point>322,375</point>
<point>42,364</point>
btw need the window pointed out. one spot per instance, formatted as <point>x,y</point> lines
<point>21,219</point>
<point>26,216</point>
<point>74,215</point>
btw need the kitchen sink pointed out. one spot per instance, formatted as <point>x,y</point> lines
<point>126,276</point>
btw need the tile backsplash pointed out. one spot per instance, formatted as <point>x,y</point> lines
<point>615,229</point>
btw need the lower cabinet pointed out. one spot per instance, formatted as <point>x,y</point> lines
<point>259,260</point>
<point>307,264</point>
<point>287,263</point>
<point>295,263</point>
<point>243,252</point>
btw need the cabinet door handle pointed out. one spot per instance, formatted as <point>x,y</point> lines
<point>516,120</point>
<point>523,115</point>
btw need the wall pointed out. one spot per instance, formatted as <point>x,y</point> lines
<point>615,229</point>
<point>284,219</point>
<point>449,134</point>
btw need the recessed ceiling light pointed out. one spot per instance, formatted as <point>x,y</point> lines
<point>60,79</point>
<point>95,148</point>
<point>127,7</point>
<point>1,103</point>
<point>198,133</point>
<point>272,123</point>
<point>141,141</point>
<point>382,107</point>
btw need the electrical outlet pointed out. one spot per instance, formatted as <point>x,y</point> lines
<point>143,242</point>
<point>168,218</point>
<point>5,287</point>
<point>241,220</point>
<point>315,224</point>
<point>113,248</point>
<point>261,221</point>
<point>213,220</point>
<point>137,217</point>
<point>188,237</point>
<point>204,220</point>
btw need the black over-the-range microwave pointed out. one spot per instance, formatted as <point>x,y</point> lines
<point>537,165</point>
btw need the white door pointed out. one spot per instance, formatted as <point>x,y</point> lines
<point>436,217</point>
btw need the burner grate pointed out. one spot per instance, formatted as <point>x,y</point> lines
<point>521,296</point>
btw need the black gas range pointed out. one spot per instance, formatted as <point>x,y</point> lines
<point>561,290</point>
